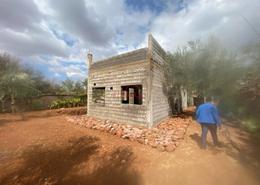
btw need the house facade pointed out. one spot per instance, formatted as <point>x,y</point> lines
<point>129,87</point>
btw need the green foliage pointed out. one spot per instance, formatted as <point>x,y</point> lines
<point>20,82</point>
<point>15,81</point>
<point>70,87</point>
<point>37,105</point>
<point>249,85</point>
<point>207,69</point>
<point>177,74</point>
<point>66,103</point>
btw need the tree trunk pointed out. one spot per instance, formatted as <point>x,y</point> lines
<point>184,98</point>
<point>3,105</point>
<point>13,104</point>
<point>171,101</point>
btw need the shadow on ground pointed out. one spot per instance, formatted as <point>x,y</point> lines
<point>196,137</point>
<point>245,149</point>
<point>3,122</point>
<point>73,164</point>
<point>23,116</point>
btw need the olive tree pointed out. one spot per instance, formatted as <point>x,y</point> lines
<point>14,81</point>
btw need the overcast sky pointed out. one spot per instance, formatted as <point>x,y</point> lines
<point>54,36</point>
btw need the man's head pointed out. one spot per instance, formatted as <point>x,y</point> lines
<point>209,99</point>
<point>214,100</point>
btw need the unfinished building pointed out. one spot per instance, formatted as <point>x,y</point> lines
<point>129,87</point>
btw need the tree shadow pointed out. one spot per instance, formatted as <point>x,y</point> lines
<point>24,116</point>
<point>232,123</point>
<point>247,155</point>
<point>3,122</point>
<point>197,138</point>
<point>62,165</point>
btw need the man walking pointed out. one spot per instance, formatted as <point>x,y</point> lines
<point>208,117</point>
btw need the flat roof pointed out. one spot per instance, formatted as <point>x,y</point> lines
<point>125,58</point>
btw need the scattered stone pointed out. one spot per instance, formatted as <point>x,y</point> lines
<point>141,140</point>
<point>153,144</point>
<point>119,132</point>
<point>146,141</point>
<point>166,136</point>
<point>72,111</point>
<point>161,148</point>
<point>170,148</point>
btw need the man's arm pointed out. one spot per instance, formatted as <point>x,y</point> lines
<point>197,113</point>
<point>216,116</point>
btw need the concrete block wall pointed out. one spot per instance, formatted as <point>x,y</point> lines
<point>112,78</point>
<point>159,102</point>
<point>140,67</point>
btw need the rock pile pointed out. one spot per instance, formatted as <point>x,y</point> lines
<point>72,111</point>
<point>166,136</point>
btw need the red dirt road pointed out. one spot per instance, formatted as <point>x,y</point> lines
<point>43,148</point>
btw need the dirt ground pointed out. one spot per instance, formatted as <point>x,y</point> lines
<point>43,148</point>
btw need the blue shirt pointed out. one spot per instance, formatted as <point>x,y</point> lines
<point>208,113</point>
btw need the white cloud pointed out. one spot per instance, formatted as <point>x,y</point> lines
<point>203,18</point>
<point>23,30</point>
<point>31,43</point>
<point>27,28</point>
<point>105,28</point>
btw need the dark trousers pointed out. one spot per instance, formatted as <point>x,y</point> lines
<point>204,131</point>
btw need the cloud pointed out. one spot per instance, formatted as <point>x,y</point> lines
<point>105,31</point>
<point>31,44</point>
<point>203,18</point>
<point>24,32</point>
<point>55,36</point>
<point>58,28</point>
<point>19,14</point>
<point>79,20</point>
<point>58,69</point>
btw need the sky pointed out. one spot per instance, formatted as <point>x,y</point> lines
<point>54,36</point>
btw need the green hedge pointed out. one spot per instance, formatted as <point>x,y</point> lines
<point>66,103</point>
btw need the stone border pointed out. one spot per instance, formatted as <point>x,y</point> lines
<point>71,111</point>
<point>166,136</point>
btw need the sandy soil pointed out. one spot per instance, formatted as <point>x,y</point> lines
<point>43,148</point>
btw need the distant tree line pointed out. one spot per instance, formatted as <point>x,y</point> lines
<point>21,84</point>
<point>209,70</point>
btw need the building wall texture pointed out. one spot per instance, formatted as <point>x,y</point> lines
<point>140,67</point>
<point>134,72</point>
<point>159,100</point>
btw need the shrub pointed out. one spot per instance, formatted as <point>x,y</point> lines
<point>66,103</point>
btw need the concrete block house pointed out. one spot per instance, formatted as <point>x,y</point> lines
<point>129,87</point>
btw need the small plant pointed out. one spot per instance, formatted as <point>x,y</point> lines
<point>66,103</point>
<point>54,105</point>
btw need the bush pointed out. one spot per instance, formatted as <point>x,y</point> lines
<point>66,103</point>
